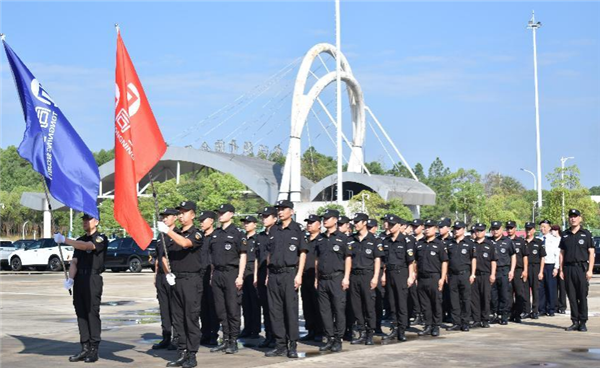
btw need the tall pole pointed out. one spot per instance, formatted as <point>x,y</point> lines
<point>562,181</point>
<point>338,68</point>
<point>534,26</point>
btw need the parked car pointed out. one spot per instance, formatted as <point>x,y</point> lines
<point>6,248</point>
<point>124,254</point>
<point>597,259</point>
<point>41,254</point>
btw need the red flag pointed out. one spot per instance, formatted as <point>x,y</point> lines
<point>139,145</point>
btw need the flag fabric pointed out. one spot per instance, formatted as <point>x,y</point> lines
<point>52,146</point>
<point>139,145</point>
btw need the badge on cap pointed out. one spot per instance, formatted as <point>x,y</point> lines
<point>182,204</point>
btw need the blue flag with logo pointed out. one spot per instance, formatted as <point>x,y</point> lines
<point>52,146</point>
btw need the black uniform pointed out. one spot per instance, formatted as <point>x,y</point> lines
<point>164,292</point>
<point>262,242</point>
<point>208,313</point>
<point>480,293</point>
<point>519,286</point>
<point>460,255</point>
<point>331,254</point>
<point>188,266</point>
<point>536,253</point>
<point>501,288</point>
<point>250,303</point>
<point>399,256</point>
<point>430,256</point>
<point>362,297</point>
<point>87,288</point>
<point>381,300</point>
<point>575,248</point>
<point>414,303</point>
<point>446,295</point>
<point>310,301</point>
<point>285,246</point>
<point>226,246</point>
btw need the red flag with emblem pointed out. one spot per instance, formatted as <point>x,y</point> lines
<point>139,145</point>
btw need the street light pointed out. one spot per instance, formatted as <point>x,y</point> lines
<point>562,180</point>
<point>363,195</point>
<point>25,223</point>
<point>533,212</point>
<point>534,179</point>
<point>534,26</point>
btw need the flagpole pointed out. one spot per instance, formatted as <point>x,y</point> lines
<point>162,235</point>
<point>60,254</point>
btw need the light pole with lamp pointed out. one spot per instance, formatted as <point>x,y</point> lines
<point>533,25</point>
<point>562,181</point>
<point>534,178</point>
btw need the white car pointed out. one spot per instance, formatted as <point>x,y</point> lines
<point>7,247</point>
<point>41,254</point>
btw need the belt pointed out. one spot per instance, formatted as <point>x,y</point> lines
<point>481,273</point>
<point>503,266</point>
<point>225,268</point>
<point>395,267</point>
<point>250,267</point>
<point>278,270</point>
<point>533,263</point>
<point>428,275</point>
<point>361,272</point>
<point>329,276</point>
<point>462,272</point>
<point>183,275</point>
<point>87,271</point>
<point>576,263</point>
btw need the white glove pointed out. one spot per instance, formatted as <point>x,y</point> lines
<point>59,238</point>
<point>171,279</point>
<point>69,282</point>
<point>163,228</point>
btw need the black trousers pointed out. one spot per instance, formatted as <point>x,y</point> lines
<point>562,294</point>
<point>501,291</point>
<point>480,296</point>
<point>87,295</point>
<point>577,291</point>
<point>519,288</point>
<point>532,305</point>
<point>362,300</point>
<point>397,293</point>
<point>164,294</point>
<point>332,306</point>
<point>187,293</point>
<point>548,290</point>
<point>414,304</point>
<point>228,300</point>
<point>446,301</point>
<point>250,303</point>
<point>380,299</point>
<point>208,313</point>
<point>460,297</point>
<point>264,299</point>
<point>310,303</point>
<point>283,307</point>
<point>431,299</point>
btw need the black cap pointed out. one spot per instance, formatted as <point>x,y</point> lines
<point>266,211</point>
<point>331,213</point>
<point>496,225</point>
<point>312,218</point>
<point>416,222</point>
<point>227,207</point>
<point>444,222</point>
<point>479,226</point>
<point>371,223</point>
<point>87,217</point>
<point>574,212</point>
<point>187,206</point>
<point>360,217</point>
<point>284,204</point>
<point>544,222</point>
<point>169,212</point>
<point>249,219</point>
<point>403,221</point>
<point>384,217</point>
<point>529,225</point>
<point>207,214</point>
<point>459,225</point>
<point>510,224</point>
<point>393,219</point>
<point>343,220</point>
<point>430,223</point>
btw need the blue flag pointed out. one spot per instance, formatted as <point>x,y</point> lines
<point>52,146</point>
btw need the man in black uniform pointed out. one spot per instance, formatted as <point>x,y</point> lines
<point>85,278</point>
<point>310,302</point>
<point>269,219</point>
<point>333,264</point>
<point>228,255</point>
<point>250,303</point>
<point>186,268</point>
<point>462,267</point>
<point>208,313</point>
<point>505,271</point>
<point>432,267</point>
<point>345,228</point>
<point>485,276</point>
<point>445,236</point>
<point>399,276</point>
<point>519,283</point>
<point>576,268</point>
<point>164,291</point>
<point>380,289</point>
<point>414,303</point>
<point>536,251</point>
<point>367,252</point>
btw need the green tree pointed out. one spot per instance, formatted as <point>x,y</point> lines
<point>104,156</point>
<point>595,190</point>
<point>316,166</point>
<point>375,168</point>
<point>331,206</point>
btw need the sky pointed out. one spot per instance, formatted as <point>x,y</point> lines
<point>446,79</point>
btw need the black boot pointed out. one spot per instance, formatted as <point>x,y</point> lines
<point>348,334</point>
<point>266,342</point>
<point>453,328</point>
<point>361,339</point>
<point>293,350</point>
<point>573,327</point>
<point>173,344</point>
<point>369,340</point>
<point>85,349</point>
<point>191,361</point>
<point>310,336</point>
<point>328,345</point>
<point>92,355</point>
<point>582,326</point>
<point>337,345</point>
<point>504,319</point>
<point>232,348</point>
<point>465,328</point>
<point>418,320</point>
<point>393,335</point>
<point>183,356</point>
<point>165,342</point>
<point>435,331</point>
<point>426,331</point>
<point>220,347</point>
<point>280,350</point>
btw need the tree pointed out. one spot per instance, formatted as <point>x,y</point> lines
<point>316,166</point>
<point>375,168</point>
<point>468,197</point>
<point>595,190</point>
<point>376,207</point>
<point>440,181</point>
<point>331,206</point>
<point>103,156</point>
<point>495,183</point>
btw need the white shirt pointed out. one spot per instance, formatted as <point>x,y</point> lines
<point>551,244</point>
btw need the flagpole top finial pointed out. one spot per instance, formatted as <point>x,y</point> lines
<point>117,27</point>
<point>2,36</point>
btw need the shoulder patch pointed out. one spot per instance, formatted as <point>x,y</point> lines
<point>198,236</point>
<point>99,239</point>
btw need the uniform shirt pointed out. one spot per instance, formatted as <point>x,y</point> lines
<point>536,251</point>
<point>521,250</point>
<point>310,254</point>
<point>331,252</point>
<point>460,254</point>
<point>551,244</point>
<point>92,259</point>
<point>285,245</point>
<point>575,246</point>
<point>364,252</point>
<point>226,245</point>
<point>160,250</point>
<point>430,256</point>
<point>186,259</point>
<point>486,253</point>
<point>262,242</point>
<point>446,240</point>
<point>504,250</point>
<point>204,253</point>
<point>251,244</point>
<point>399,252</point>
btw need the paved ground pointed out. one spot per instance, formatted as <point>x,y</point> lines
<point>38,328</point>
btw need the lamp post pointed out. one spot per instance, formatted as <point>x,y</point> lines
<point>363,195</point>
<point>23,229</point>
<point>534,178</point>
<point>533,25</point>
<point>562,181</point>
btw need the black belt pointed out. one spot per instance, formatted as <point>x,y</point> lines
<point>361,272</point>
<point>225,268</point>
<point>278,270</point>
<point>87,271</point>
<point>183,275</point>
<point>393,267</point>
<point>502,266</point>
<point>533,263</point>
<point>428,275</point>
<point>459,272</point>
<point>576,263</point>
<point>481,273</point>
<point>330,276</point>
